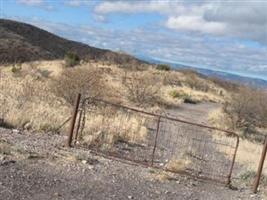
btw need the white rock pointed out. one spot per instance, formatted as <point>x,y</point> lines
<point>15,131</point>
<point>84,161</point>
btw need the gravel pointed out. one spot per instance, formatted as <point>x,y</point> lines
<point>37,166</point>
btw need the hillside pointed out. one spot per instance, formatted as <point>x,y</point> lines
<point>20,42</point>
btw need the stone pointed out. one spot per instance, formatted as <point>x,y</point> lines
<point>84,161</point>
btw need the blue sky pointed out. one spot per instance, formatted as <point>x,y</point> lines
<point>223,35</point>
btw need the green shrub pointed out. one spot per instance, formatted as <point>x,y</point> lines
<point>177,94</point>
<point>71,59</point>
<point>186,98</point>
<point>163,67</point>
<point>15,69</point>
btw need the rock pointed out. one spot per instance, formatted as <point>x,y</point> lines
<point>7,162</point>
<point>91,167</point>
<point>27,126</point>
<point>130,197</point>
<point>2,158</point>
<point>84,161</point>
<point>16,131</point>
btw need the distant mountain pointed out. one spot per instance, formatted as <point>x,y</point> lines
<point>254,82</point>
<point>20,42</point>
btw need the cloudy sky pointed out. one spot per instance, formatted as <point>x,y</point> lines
<point>227,35</point>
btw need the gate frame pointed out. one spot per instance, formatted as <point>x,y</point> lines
<point>88,99</point>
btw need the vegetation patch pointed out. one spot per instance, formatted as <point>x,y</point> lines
<point>71,59</point>
<point>177,165</point>
<point>163,67</point>
<point>185,97</point>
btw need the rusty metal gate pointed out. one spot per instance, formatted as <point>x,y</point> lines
<point>155,140</point>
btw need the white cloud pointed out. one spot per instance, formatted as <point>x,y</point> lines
<point>195,23</point>
<point>160,6</point>
<point>74,3</point>
<point>78,3</point>
<point>242,19</point>
<point>31,2</point>
<point>38,3</point>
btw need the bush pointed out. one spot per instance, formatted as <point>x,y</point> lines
<point>87,81</point>
<point>177,94</point>
<point>163,67</point>
<point>196,83</point>
<point>16,69</point>
<point>247,110</point>
<point>186,98</point>
<point>142,88</point>
<point>173,78</point>
<point>71,59</point>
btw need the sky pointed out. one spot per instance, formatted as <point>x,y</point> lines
<point>225,35</point>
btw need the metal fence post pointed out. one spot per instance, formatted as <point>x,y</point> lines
<point>259,172</point>
<point>73,120</point>
<point>233,162</point>
<point>156,139</point>
<point>78,126</point>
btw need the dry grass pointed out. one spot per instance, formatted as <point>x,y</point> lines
<point>161,176</point>
<point>249,152</point>
<point>105,130</point>
<point>28,100</point>
<point>187,92</point>
<point>7,149</point>
<point>178,165</point>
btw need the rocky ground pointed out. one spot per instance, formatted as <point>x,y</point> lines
<point>37,166</point>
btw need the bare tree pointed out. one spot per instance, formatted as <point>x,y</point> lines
<point>142,87</point>
<point>247,109</point>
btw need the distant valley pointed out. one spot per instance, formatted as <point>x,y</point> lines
<point>254,82</point>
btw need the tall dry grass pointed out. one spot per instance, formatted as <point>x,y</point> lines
<point>28,100</point>
<point>249,152</point>
<point>105,130</point>
<point>38,96</point>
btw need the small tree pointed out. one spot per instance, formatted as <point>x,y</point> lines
<point>71,59</point>
<point>142,88</point>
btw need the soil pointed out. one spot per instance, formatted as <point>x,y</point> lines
<point>37,166</point>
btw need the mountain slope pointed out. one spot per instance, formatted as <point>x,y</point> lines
<point>20,42</point>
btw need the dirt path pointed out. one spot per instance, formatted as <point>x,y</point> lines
<point>194,112</point>
<point>36,166</point>
<point>193,148</point>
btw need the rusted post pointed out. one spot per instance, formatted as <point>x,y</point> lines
<point>73,120</point>
<point>156,139</point>
<point>78,126</point>
<point>258,176</point>
<point>233,162</point>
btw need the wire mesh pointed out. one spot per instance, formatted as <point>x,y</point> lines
<point>159,141</point>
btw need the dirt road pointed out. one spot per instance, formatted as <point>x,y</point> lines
<point>36,166</point>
